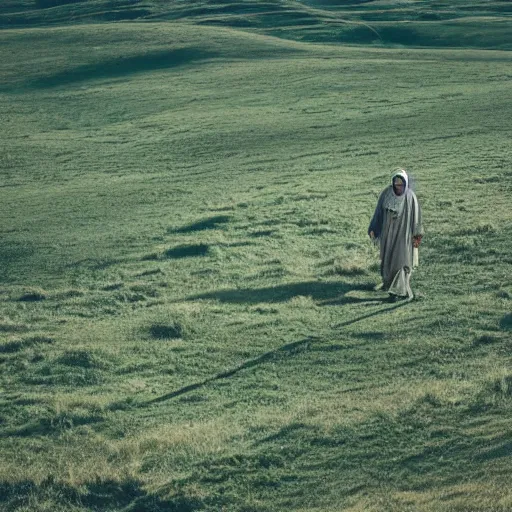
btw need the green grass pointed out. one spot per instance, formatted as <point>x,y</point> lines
<point>429,23</point>
<point>187,313</point>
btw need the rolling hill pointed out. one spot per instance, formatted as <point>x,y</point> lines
<point>431,23</point>
<point>188,319</point>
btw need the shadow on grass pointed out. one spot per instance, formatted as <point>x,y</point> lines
<point>16,346</point>
<point>51,426</point>
<point>499,450</point>
<point>506,322</point>
<point>378,450</point>
<point>120,67</point>
<point>166,332</point>
<point>187,251</point>
<point>11,254</point>
<point>370,315</point>
<point>201,225</point>
<point>332,292</point>
<point>272,355</point>
<point>370,335</point>
<point>127,495</point>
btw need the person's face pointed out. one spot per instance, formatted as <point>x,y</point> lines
<point>398,186</point>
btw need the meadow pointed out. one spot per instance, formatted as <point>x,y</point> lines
<point>188,319</point>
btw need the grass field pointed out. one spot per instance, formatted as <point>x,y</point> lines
<point>187,313</point>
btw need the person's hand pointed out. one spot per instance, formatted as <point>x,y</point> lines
<point>416,241</point>
<point>372,235</point>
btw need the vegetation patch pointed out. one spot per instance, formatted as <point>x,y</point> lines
<point>16,346</point>
<point>56,375</point>
<point>503,386</point>
<point>107,494</point>
<point>13,327</point>
<point>485,339</point>
<point>151,272</point>
<point>69,294</point>
<point>33,295</point>
<point>151,257</point>
<point>174,330</point>
<point>81,359</point>
<point>56,424</point>
<point>349,269</point>
<point>262,233</point>
<point>187,251</point>
<point>112,286</point>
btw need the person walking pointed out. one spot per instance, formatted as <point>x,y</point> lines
<point>396,225</point>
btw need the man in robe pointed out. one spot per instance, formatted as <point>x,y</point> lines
<point>396,224</point>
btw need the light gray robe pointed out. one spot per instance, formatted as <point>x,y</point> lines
<point>395,223</point>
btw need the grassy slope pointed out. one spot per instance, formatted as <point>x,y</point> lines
<point>187,318</point>
<point>430,23</point>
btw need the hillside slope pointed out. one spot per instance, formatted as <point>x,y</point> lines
<point>188,318</point>
<point>429,23</point>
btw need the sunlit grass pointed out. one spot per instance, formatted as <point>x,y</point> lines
<point>187,314</point>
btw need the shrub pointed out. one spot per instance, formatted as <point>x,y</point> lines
<point>172,330</point>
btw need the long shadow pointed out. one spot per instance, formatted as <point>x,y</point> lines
<point>340,301</point>
<point>318,291</point>
<point>370,315</point>
<point>272,355</point>
<point>124,66</point>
